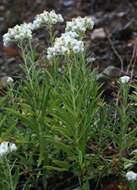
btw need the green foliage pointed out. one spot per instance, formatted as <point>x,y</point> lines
<point>9,174</point>
<point>61,123</point>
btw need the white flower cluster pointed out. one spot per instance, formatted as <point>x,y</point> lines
<point>18,33</point>
<point>70,40</point>
<point>10,80</point>
<point>22,32</point>
<point>7,147</point>
<point>65,44</point>
<point>80,25</point>
<point>131,176</point>
<point>70,34</point>
<point>47,18</point>
<point>124,79</point>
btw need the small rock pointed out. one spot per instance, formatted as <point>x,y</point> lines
<point>124,32</point>
<point>11,60</point>
<point>12,51</point>
<point>98,34</point>
<point>2,8</point>
<point>112,72</point>
<point>91,60</point>
<point>5,81</point>
<point>1,19</point>
<point>109,74</point>
<point>101,78</point>
<point>121,14</point>
<point>68,3</point>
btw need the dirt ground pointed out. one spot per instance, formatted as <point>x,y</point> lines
<point>110,43</point>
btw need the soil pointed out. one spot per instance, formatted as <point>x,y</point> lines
<point>111,42</point>
<point>116,21</point>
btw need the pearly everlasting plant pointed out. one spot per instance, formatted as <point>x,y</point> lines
<point>80,25</point>
<point>7,147</point>
<point>47,18</point>
<point>22,32</point>
<point>17,34</point>
<point>65,44</point>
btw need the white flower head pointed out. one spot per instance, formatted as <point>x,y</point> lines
<point>47,18</point>
<point>65,44</point>
<point>17,34</point>
<point>7,147</point>
<point>10,80</point>
<point>131,176</point>
<point>80,25</point>
<point>124,79</point>
<point>70,34</point>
